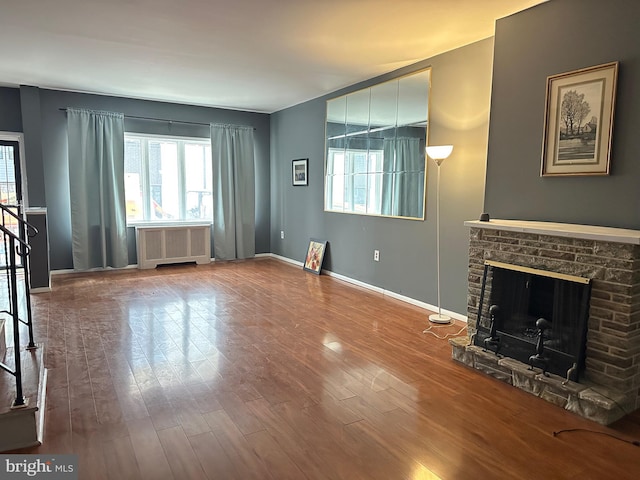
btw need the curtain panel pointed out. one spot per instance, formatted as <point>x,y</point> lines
<point>403,177</point>
<point>232,149</point>
<point>96,184</point>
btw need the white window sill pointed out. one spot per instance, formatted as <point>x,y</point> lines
<point>177,223</point>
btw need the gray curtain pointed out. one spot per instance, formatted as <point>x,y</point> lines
<point>234,208</point>
<point>388,166</point>
<point>96,183</point>
<point>410,182</point>
<point>403,177</point>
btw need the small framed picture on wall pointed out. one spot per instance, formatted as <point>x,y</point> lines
<point>300,172</point>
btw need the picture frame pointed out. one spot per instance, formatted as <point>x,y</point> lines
<point>300,172</point>
<point>315,255</point>
<point>578,126</point>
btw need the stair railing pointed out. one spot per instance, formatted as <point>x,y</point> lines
<point>17,245</point>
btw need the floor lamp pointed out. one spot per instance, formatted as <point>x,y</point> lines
<point>438,154</point>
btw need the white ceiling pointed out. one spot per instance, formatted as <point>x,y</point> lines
<point>256,55</point>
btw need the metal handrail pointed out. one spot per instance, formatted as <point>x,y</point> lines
<point>21,248</point>
<point>8,232</point>
<point>13,290</point>
<point>30,230</point>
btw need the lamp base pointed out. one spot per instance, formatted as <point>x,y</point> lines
<point>439,318</point>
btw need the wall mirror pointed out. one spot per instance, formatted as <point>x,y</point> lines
<point>375,149</point>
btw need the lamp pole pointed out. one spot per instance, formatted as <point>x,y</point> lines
<point>438,154</point>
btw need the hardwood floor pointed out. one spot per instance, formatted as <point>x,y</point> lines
<point>259,370</point>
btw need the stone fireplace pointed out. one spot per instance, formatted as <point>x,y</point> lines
<point>609,386</point>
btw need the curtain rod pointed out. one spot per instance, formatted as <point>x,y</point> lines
<point>165,120</point>
<point>159,119</point>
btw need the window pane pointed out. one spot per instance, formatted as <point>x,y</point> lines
<point>164,180</point>
<point>356,182</point>
<point>8,196</point>
<point>359,161</point>
<point>375,161</point>
<point>335,197</point>
<point>374,198</point>
<point>360,193</point>
<point>374,182</point>
<point>198,180</point>
<point>133,178</point>
<point>7,176</point>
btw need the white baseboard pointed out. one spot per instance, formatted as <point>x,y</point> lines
<point>63,271</point>
<point>40,289</point>
<point>388,293</point>
<point>66,271</point>
<point>285,259</point>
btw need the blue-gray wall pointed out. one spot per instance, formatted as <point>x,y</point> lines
<point>46,153</point>
<point>555,37</point>
<point>32,128</point>
<point>459,103</point>
<point>10,115</point>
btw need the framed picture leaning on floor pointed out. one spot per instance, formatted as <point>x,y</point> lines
<point>315,255</point>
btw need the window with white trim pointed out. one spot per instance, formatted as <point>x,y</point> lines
<point>167,179</point>
<point>354,180</point>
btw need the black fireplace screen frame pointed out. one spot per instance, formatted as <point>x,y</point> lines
<point>535,316</point>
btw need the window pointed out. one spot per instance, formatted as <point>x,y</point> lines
<point>354,181</point>
<point>8,194</point>
<point>167,179</point>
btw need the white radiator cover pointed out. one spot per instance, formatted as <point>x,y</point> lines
<point>161,244</point>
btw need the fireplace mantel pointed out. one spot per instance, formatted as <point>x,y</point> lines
<point>584,232</point>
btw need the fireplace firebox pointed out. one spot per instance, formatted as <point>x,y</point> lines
<point>535,316</point>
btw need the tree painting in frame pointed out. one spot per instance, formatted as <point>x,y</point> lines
<point>579,121</point>
<point>315,256</point>
<point>300,172</point>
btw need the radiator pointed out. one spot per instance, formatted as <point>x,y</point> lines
<point>162,244</point>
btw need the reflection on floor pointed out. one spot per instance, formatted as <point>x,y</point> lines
<point>257,369</point>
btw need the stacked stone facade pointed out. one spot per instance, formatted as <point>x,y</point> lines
<point>613,338</point>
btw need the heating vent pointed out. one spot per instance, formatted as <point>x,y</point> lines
<point>161,244</point>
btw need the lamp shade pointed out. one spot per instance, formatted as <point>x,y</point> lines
<point>439,152</point>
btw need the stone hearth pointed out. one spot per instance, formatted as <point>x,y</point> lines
<point>610,257</point>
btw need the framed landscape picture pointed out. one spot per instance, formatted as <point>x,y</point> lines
<point>315,256</point>
<point>579,121</point>
<point>300,173</point>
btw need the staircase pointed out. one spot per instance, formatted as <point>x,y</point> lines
<point>23,427</point>
<point>22,374</point>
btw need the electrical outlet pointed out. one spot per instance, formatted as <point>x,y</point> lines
<point>282,234</point>
<point>376,255</point>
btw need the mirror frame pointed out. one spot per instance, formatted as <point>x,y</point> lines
<point>421,149</point>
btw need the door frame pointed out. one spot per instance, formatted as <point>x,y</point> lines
<point>19,137</point>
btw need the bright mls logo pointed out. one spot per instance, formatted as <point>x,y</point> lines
<point>52,467</point>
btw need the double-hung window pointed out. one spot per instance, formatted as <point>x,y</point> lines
<point>354,180</point>
<point>167,179</point>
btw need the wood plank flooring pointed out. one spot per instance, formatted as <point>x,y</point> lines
<point>259,370</point>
